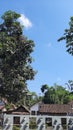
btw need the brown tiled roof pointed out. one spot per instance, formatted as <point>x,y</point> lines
<point>1,107</point>
<point>54,108</point>
<point>20,110</point>
<point>71,102</point>
<point>20,113</point>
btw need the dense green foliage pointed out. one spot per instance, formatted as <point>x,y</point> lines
<point>56,94</point>
<point>15,128</point>
<point>68,37</point>
<point>32,124</point>
<point>15,58</point>
<point>69,85</point>
<point>31,99</point>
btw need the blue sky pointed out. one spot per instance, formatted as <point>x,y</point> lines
<point>45,21</point>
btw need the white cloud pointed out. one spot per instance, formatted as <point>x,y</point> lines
<point>25,21</point>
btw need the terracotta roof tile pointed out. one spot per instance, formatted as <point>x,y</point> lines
<point>1,107</point>
<point>20,110</point>
<point>54,108</point>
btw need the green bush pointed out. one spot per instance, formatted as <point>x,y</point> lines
<point>16,128</point>
<point>32,124</point>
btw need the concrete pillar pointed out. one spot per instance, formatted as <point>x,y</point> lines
<point>56,123</point>
<point>24,122</point>
<point>8,122</point>
<point>70,123</point>
<point>40,121</point>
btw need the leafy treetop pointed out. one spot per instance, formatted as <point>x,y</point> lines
<point>68,37</point>
<point>15,58</point>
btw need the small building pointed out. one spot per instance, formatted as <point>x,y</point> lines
<point>34,109</point>
<point>21,110</point>
<point>2,109</point>
<point>52,109</point>
<point>16,113</point>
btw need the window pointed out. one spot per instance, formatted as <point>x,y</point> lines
<point>16,120</point>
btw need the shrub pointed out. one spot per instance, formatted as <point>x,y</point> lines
<point>16,128</point>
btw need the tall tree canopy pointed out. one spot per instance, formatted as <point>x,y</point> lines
<point>15,58</point>
<point>68,37</point>
<point>56,94</point>
<point>69,85</point>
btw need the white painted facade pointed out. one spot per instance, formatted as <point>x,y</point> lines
<point>34,109</point>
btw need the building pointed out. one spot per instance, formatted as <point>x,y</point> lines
<point>17,112</point>
<point>21,110</point>
<point>52,109</point>
<point>34,109</point>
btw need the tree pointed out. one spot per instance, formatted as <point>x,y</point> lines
<point>44,88</point>
<point>15,58</point>
<point>49,96</point>
<point>69,85</point>
<point>34,98</point>
<point>56,95</point>
<point>68,37</point>
<point>62,94</point>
